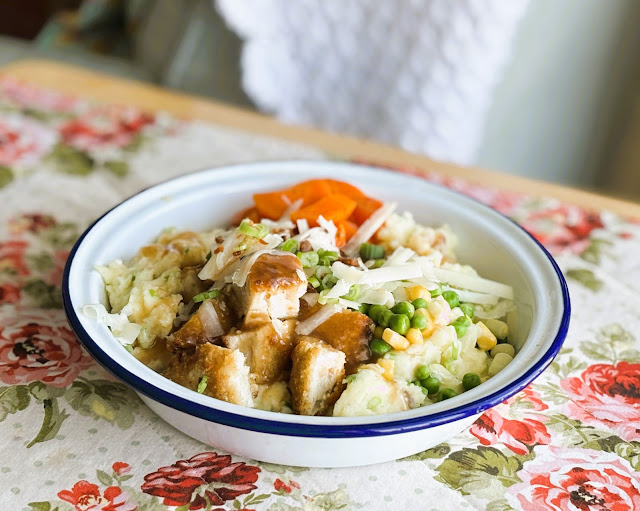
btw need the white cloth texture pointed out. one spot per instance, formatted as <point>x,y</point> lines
<point>419,74</point>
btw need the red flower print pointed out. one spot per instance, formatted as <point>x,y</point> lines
<point>53,277</point>
<point>105,127</point>
<point>607,396</point>
<point>31,222</point>
<point>517,435</point>
<point>207,479</point>
<point>37,344</point>
<point>86,496</point>
<point>9,293</point>
<point>529,399</point>
<point>12,255</point>
<point>23,141</point>
<point>121,468</point>
<point>580,479</point>
<point>563,227</point>
<point>279,484</point>
<point>22,94</point>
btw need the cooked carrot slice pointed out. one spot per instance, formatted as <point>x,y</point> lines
<point>272,204</point>
<point>364,209</point>
<point>344,188</point>
<point>346,229</point>
<point>250,213</point>
<point>309,191</point>
<point>334,207</point>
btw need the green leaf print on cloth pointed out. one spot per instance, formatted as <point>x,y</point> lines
<point>479,471</point>
<point>6,176</point>
<point>586,277</point>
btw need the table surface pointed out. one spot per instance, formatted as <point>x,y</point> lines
<point>74,143</point>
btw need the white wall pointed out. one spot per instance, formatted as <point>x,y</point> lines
<point>558,103</point>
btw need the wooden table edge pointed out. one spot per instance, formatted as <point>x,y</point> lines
<point>107,88</point>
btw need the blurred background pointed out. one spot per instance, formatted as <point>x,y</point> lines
<point>540,88</point>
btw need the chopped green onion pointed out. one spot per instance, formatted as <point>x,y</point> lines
<point>354,292</point>
<point>419,321</point>
<point>133,278</point>
<point>315,283</point>
<point>374,402</point>
<point>371,251</point>
<point>327,257</point>
<point>379,347</point>
<point>328,281</point>
<point>468,309</point>
<point>321,271</point>
<point>241,247</point>
<point>452,298</point>
<point>290,245</point>
<point>254,230</point>
<point>422,372</point>
<point>436,292</point>
<point>351,378</point>
<point>203,384</point>
<point>470,380</point>
<point>206,295</point>
<point>405,308</point>
<point>379,263</point>
<point>308,259</point>
<point>152,292</point>
<point>208,256</point>
<point>399,323</point>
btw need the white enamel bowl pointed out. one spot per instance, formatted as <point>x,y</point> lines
<point>494,245</point>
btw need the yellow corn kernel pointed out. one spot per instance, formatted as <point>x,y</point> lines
<point>377,333</point>
<point>414,336</point>
<point>418,292</point>
<point>397,341</point>
<point>388,367</point>
<point>486,340</point>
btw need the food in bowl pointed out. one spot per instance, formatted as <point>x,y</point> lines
<point>319,301</point>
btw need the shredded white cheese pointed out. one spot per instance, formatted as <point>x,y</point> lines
<point>123,330</point>
<point>311,323</point>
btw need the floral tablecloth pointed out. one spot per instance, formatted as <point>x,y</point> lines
<point>73,438</point>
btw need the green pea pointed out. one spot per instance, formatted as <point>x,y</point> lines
<point>375,311</point>
<point>452,298</point>
<point>422,372</point>
<point>468,309</point>
<point>419,303</point>
<point>379,347</point>
<point>419,321</point>
<point>400,323</point>
<point>431,384</point>
<point>364,308</point>
<point>461,325</point>
<point>447,394</point>
<point>470,380</point>
<point>404,308</point>
<point>385,318</point>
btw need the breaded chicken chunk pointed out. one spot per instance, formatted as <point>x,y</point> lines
<point>267,347</point>
<point>213,319</point>
<point>316,376</point>
<point>274,286</point>
<point>348,331</point>
<point>225,369</point>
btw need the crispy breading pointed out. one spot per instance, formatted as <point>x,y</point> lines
<point>348,331</point>
<point>274,286</point>
<point>192,333</point>
<point>267,347</point>
<point>227,375</point>
<point>316,376</point>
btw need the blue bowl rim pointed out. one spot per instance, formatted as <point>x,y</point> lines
<point>240,421</point>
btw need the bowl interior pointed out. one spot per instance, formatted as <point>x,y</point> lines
<point>492,244</point>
